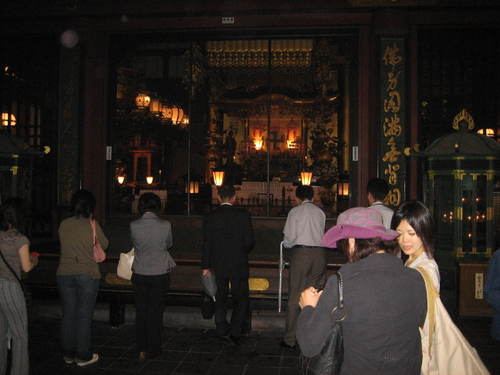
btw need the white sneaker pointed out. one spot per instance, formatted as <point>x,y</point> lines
<point>69,360</point>
<point>94,359</point>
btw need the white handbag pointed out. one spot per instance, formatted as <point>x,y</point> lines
<point>445,350</point>
<point>124,269</point>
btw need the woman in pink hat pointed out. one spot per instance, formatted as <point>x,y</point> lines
<point>384,302</point>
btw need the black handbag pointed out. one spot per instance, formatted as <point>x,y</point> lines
<point>207,306</point>
<point>329,360</point>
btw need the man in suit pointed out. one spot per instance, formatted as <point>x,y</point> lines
<point>227,240</point>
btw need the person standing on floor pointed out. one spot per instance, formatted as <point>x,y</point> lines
<point>492,292</point>
<point>227,240</point>
<point>415,225</point>
<point>152,237</point>
<point>378,189</point>
<point>15,255</point>
<point>78,278</point>
<point>384,302</point>
<point>304,229</point>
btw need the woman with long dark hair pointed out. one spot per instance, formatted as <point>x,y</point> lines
<point>15,256</point>
<point>78,278</point>
<point>384,302</point>
<point>414,224</point>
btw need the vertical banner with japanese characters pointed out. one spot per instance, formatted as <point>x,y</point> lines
<point>393,117</point>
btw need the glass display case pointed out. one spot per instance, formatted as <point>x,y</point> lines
<point>462,169</point>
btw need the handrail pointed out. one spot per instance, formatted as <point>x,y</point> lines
<point>282,265</point>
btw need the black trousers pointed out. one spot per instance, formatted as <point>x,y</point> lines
<point>149,306</point>
<point>239,293</point>
<point>307,268</point>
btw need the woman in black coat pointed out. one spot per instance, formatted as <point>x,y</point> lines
<point>384,302</point>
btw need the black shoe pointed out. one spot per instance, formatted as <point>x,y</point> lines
<point>232,340</point>
<point>286,346</point>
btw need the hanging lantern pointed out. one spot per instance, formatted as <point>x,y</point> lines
<point>142,101</point>
<point>174,114</point>
<point>8,119</point>
<point>218,177</point>
<point>194,187</point>
<point>177,115</point>
<point>306,177</point>
<point>343,189</point>
<point>121,179</point>
<point>155,107</point>
<point>149,180</point>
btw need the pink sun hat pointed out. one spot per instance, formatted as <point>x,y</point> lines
<point>357,222</point>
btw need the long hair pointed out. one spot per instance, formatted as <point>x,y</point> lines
<point>420,219</point>
<point>83,203</point>
<point>364,247</point>
<point>13,215</point>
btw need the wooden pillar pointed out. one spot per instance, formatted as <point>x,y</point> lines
<point>413,174</point>
<point>393,119</point>
<point>69,144</point>
<point>361,168</point>
<point>346,121</point>
<point>95,118</point>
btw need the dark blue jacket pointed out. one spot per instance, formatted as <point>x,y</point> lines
<point>492,292</point>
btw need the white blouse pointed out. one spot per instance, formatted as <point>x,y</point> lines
<point>427,264</point>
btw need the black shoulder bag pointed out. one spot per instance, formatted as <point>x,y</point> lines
<point>329,360</point>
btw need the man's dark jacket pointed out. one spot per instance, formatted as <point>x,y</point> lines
<point>227,240</point>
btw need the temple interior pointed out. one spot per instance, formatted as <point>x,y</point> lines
<point>181,97</point>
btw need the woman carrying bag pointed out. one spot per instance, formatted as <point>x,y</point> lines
<point>384,303</point>
<point>152,237</point>
<point>413,222</point>
<point>444,348</point>
<point>14,257</point>
<point>78,278</point>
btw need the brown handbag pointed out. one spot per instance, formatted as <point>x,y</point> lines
<point>98,252</point>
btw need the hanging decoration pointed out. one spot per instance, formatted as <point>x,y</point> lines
<point>238,53</point>
<point>142,101</point>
